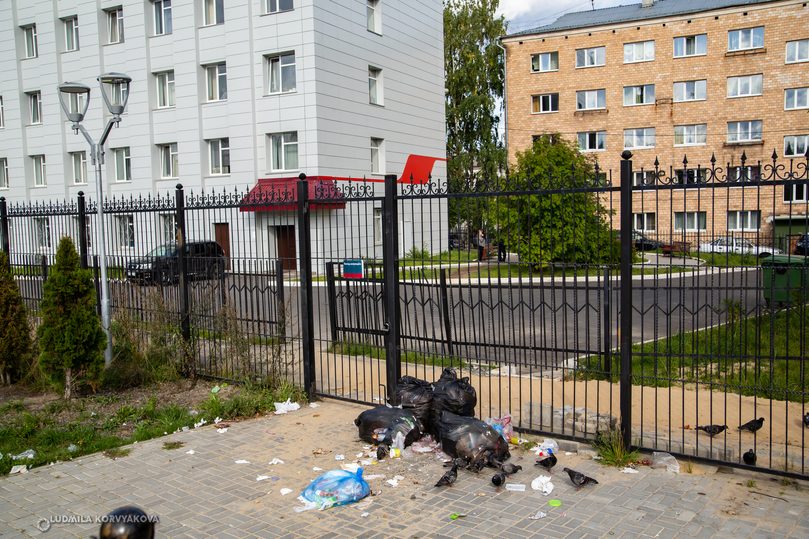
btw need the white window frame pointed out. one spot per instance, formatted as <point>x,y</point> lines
<point>40,171</point>
<point>587,137</point>
<point>741,174</point>
<point>163,24</point>
<point>35,107</point>
<point>644,47</point>
<point>115,25</point>
<point>218,156</point>
<point>745,85</point>
<point>373,14</point>
<point>644,220</point>
<point>165,90</point>
<point>168,227</point>
<point>123,164</point>
<point>690,176</point>
<point>78,162</point>
<point>3,173</point>
<point>539,103</point>
<point>280,144</point>
<point>795,194</point>
<point>280,67</point>
<point>737,130</point>
<point>216,82</point>
<point>2,114</point>
<point>42,229</point>
<point>645,91</point>
<point>377,155</point>
<point>278,6</point>
<point>744,218</point>
<point>213,12</point>
<point>647,136</point>
<point>754,37</point>
<point>698,43</point>
<point>375,86</point>
<point>125,231</point>
<point>695,216</point>
<point>800,51</point>
<point>30,38</point>
<point>643,177</point>
<point>691,135</point>
<point>699,90</point>
<point>586,98</point>
<point>796,98</point>
<point>796,143</point>
<point>71,26</point>
<point>377,226</point>
<point>169,161</point>
<point>591,57</point>
<point>540,60</point>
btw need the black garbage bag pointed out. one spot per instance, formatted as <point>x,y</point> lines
<point>454,395</point>
<point>470,438</point>
<point>415,395</point>
<point>379,425</point>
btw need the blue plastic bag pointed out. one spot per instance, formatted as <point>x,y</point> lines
<point>337,487</point>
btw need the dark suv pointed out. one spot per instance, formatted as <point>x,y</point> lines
<point>203,259</point>
<point>802,245</point>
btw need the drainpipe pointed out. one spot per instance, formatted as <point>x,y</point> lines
<point>505,95</point>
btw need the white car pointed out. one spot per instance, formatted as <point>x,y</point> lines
<point>737,246</point>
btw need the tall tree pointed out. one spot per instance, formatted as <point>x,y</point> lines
<point>475,79</point>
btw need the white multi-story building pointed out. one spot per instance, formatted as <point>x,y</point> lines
<point>224,93</point>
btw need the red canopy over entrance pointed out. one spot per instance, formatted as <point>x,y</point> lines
<point>281,194</point>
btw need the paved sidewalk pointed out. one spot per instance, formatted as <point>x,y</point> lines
<point>208,494</point>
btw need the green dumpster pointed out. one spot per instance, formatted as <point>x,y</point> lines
<point>785,278</point>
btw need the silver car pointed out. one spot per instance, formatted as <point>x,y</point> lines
<point>738,246</point>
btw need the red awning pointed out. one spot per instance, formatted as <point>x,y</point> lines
<point>281,194</point>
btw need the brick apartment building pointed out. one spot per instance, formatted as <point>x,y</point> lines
<point>673,78</point>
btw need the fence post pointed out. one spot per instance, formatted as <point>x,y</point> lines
<point>280,296</point>
<point>44,267</point>
<point>607,367</point>
<point>185,309</point>
<point>332,301</point>
<point>390,265</point>
<point>307,303</point>
<point>626,298</point>
<point>446,308</point>
<point>4,228</point>
<point>97,282</point>
<point>82,233</point>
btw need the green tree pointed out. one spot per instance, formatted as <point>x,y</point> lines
<point>70,337</point>
<point>475,78</point>
<point>558,227</point>
<point>15,336</point>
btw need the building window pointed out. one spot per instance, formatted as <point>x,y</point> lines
<point>168,227</point>
<point>643,177</point>
<point>690,221</point>
<point>162,17</point>
<point>42,228</point>
<point>547,61</point>
<point>744,131</point>
<point>639,95</point>
<point>591,99</point>
<point>545,103</point>
<point>645,222</point>
<point>115,23</point>
<point>165,89</point>
<point>40,179</point>
<point>795,145</point>
<point>284,151</point>
<point>220,156</point>
<point>744,174</point>
<point>214,11</point>
<point>377,226</point>
<point>3,173</point>
<point>690,46</point>
<point>274,6</point>
<point>690,135</point>
<point>796,98</point>
<point>35,103</point>
<point>71,34</point>
<point>595,56</point>
<point>593,141</point>
<point>643,51</point>
<point>797,51</point>
<point>744,221</point>
<point>31,48</point>
<point>217,82</point>
<point>691,176</point>
<point>749,38</point>
<point>374,14</point>
<point>695,90</point>
<point>745,86</point>
<point>795,193</point>
<point>543,139</point>
<point>123,168</point>
<point>377,156</point>
<point>125,229</point>
<point>2,113</point>
<point>639,138</point>
<point>169,161</point>
<point>374,85</point>
<point>282,76</point>
<point>79,160</point>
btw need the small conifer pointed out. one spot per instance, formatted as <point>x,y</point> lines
<point>15,337</point>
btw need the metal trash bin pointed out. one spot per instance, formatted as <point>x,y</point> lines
<point>784,278</point>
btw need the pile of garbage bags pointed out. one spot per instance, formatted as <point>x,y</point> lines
<point>470,438</point>
<point>385,424</point>
<point>428,401</point>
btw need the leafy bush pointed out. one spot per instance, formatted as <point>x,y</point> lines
<point>15,337</point>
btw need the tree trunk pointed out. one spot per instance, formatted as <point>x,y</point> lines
<point>68,384</point>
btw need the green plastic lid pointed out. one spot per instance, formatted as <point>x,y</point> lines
<point>554,503</point>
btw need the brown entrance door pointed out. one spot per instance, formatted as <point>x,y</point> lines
<point>222,233</point>
<point>286,246</point>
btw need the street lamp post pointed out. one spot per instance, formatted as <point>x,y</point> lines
<point>75,112</point>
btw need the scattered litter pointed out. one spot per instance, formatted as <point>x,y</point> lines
<point>262,477</point>
<point>71,448</point>
<point>221,431</point>
<point>628,470</point>
<point>279,439</point>
<point>339,457</point>
<point>317,469</point>
<point>502,425</point>
<point>337,487</point>
<point>285,491</point>
<point>598,457</point>
<point>395,481</point>
<point>350,466</point>
<point>200,423</point>
<point>568,453</point>
<point>372,477</point>
<point>314,405</point>
<point>20,468</point>
<point>366,462</point>
<point>186,429</point>
<point>545,446</point>
<point>221,425</point>
<point>274,478</point>
<point>242,461</point>
<point>217,420</point>
<point>454,516</point>
<point>364,504</point>
<point>661,460</point>
<point>555,503</point>
<point>192,413</point>
<point>481,494</point>
<point>217,389</point>
<point>515,488</point>
<point>364,515</point>
<point>538,515</point>
<point>27,454</point>
<point>92,414</point>
<point>284,407</point>
<point>320,451</point>
<point>542,483</point>
<point>275,461</point>
<point>189,452</point>
<point>425,445</point>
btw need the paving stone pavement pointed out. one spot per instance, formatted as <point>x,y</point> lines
<point>208,494</point>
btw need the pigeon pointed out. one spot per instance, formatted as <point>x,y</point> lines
<point>459,462</point>
<point>749,458</point>
<point>548,462</point>
<point>579,479</point>
<point>753,425</point>
<point>448,478</point>
<point>510,469</point>
<point>713,430</point>
<point>498,479</point>
<point>476,465</point>
<point>806,419</point>
<point>492,461</point>
<point>382,451</point>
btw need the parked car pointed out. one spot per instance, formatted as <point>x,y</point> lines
<point>643,243</point>
<point>204,260</point>
<point>802,245</point>
<point>739,246</point>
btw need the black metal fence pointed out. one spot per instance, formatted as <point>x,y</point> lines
<point>527,285</point>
